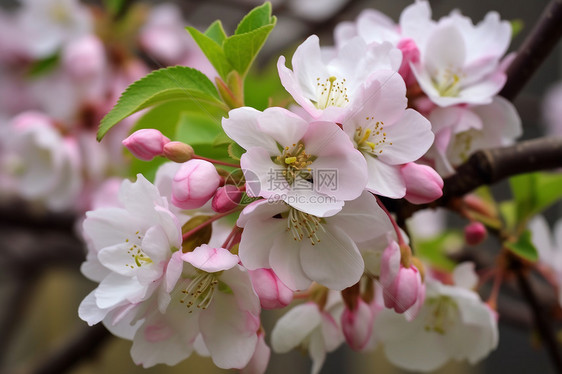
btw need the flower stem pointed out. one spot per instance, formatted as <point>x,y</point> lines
<point>217,162</point>
<point>208,222</point>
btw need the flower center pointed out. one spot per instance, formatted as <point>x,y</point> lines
<point>443,315</point>
<point>200,291</point>
<point>371,138</point>
<point>463,144</point>
<point>331,92</point>
<point>301,224</point>
<point>60,13</point>
<point>295,162</point>
<point>447,82</point>
<point>135,251</point>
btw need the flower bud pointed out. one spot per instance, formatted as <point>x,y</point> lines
<point>410,53</point>
<point>423,184</point>
<point>475,233</point>
<point>400,284</point>
<point>178,152</point>
<point>194,184</point>
<point>145,144</point>
<point>357,325</point>
<point>272,292</point>
<point>226,198</point>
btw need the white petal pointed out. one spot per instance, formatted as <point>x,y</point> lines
<point>410,136</point>
<point>116,289</point>
<point>229,333</point>
<point>285,261</point>
<point>291,329</point>
<point>89,310</point>
<point>464,275</point>
<point>362,219</point>
<point>334,261</point>
<point>242,127</point>
<point>384,179</point>
<point>282,125</point>
<point>257,239</point>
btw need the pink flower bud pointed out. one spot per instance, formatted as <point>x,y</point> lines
<point>401,285</point>
<point>178,152</point>
<point>423,184</point>
<point>410,53</point>
<point>145,144</point>
<point>272,292</point>
<point>475,233</point>
<point>357,325</point>
<point>84,57</point>
<point>226,198</point>
<point>194,184</point>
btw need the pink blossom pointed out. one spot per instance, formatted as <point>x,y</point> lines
<point>386,132</point>
<point>301,248</point>
<point>194,184</point>
<point>423,184</point>
<point>286,155</point>
<point>325,84</point>
<point>452,324</point>
<point>213,299</point>
<point>84,58</point>
<point>145,144</point>
<point>272,292</point>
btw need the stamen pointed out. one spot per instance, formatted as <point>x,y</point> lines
<point>200,291</point>
<point>330,92</point>
<point>301,224</point>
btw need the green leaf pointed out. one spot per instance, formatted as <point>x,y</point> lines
<point>200,131</point>
<point>258,17</point>
<point>43,66</point>
<point>435,250</point>
<point>175,83</point>
<point>524,247</point>
<point>535,192</point>
<point>235,151</point>
<point>508,211</point>
<point>242,49</point>
<point>212,50</point>
<point>216,32</point>
<point>222,139</point>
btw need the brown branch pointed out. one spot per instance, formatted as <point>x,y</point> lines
<point>493,165</point>
<point>84,345</point>
<point>535,48</point>
<point>489,166</point>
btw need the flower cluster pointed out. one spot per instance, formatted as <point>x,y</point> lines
<point>296,208</point>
